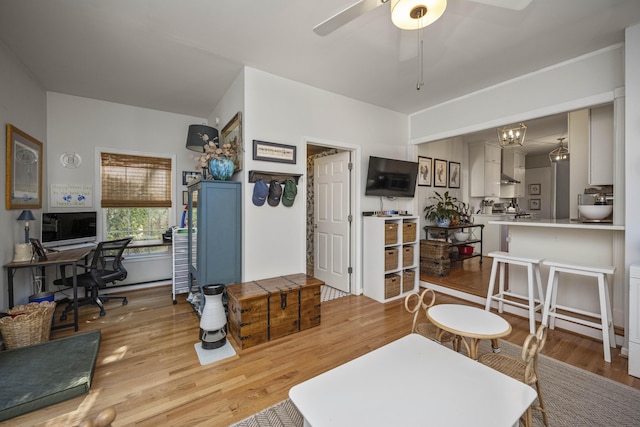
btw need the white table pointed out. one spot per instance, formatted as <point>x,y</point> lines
<point>470,323</point>
<point>412,382</point>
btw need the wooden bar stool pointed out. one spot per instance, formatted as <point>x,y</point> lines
<point>505,296</point>
<point>606,319</point>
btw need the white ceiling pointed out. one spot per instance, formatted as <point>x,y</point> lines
<point>182,55</point>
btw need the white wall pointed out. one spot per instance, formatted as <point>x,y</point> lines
<point>85,126</point>
<point>23,105</point>
<point>540,176</point>
<point>581,82</point>
<point>283,111</point>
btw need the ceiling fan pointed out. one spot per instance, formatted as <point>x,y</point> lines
<point>404,14</point>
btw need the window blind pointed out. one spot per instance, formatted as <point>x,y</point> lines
<point>130,181</point>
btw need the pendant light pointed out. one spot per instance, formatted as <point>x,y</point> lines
<point>560,153</point>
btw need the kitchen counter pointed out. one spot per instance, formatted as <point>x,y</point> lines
<point>557,223</point>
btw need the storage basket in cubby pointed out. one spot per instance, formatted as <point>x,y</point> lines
<point>391,285</point>
<point>408,280</point>
<point>390,233</point>
<point>409,232</point>
<point>434,249</point>
<point>390,259</point>
<point>407,256</point>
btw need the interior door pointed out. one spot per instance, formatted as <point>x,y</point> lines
<point>332,225</point>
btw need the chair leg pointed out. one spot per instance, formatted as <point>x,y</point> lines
<point>541,408</point>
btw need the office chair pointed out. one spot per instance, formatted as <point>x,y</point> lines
<point>106,267</point>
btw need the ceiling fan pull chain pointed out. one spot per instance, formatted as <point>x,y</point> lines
<point>420,54</point>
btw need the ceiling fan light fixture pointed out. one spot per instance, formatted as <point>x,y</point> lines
<point>416,14</point>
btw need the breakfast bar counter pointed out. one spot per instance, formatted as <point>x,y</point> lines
<point>571,242</point>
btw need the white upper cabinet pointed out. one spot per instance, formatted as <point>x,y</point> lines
<point>484,170</point>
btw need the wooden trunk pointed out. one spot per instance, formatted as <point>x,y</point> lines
<point>268,309</point>
<point>248,314</point>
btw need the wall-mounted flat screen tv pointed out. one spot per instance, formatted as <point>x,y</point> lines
<point>391,178</point>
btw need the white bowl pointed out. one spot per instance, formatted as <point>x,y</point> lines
<point>461,236</point>
<point>595,211</point>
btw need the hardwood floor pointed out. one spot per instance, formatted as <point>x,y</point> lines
<point>148,369</point>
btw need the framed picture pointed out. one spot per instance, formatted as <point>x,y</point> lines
<point>232,134</point>
<point>424,171</point>
<point>534,189</point>
<point>185,197</point>
<point>272,152</point>
<point>439,173</point>
<point>454,175</point>
<point>24,170</point>
<point>189,176</point>
<point>534,204</point>
<point>38,249</point>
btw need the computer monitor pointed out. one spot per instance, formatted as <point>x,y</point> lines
<point>68,228</point>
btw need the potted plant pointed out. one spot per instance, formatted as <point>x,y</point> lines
<point>443,209</point>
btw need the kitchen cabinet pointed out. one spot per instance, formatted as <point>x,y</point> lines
<point>391,257</point>
<point>601,136</point>
<point>484,170</point>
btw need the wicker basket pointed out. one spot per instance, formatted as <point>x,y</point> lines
<point>434,249</point>
<point>407,256</point>
<point>435,267</point>
<point>29,324</point>
<point>409,232</point>
<point>390,233</point>
<point>390,259</point>
<point>391,285</point>
<point>408,280</point>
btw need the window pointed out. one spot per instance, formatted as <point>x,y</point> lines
<point>136,198</point>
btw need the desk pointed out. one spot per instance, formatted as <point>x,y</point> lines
<point>470,323</point>
<point>70,257</point>
<point>412,382</point>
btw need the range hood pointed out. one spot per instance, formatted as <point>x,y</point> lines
<point>506,176</point>
<point>506,179</point>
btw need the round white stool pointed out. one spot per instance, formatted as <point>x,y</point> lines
<point>505,296</point>
<point>606,320</point>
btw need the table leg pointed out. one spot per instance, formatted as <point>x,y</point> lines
<point>495,347</point>
<point>75,296</point>
<point>10,273</point>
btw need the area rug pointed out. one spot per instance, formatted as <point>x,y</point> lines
<point>327,293</point>
<point>573,397</point>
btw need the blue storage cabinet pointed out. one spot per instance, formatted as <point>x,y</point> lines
<point>215,250</point>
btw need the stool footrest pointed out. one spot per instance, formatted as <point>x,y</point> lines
<point>501,297</point>
<point>595,325</point>
<point>554,312</point>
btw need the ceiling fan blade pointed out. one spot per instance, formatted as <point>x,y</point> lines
<point>506,4</point>
<point>346,16</point>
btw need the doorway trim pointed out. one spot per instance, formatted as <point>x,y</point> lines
<point>356,224</point>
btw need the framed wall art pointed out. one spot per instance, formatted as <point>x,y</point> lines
<point>272,152</point>
<point>454,175</point>
<point>424,171</point>
<point>232,134</point>
<point>189,176</point>
<point>439,173</point>
<point>535,189</point>
<point>534,204</point>
<point>24,170</point>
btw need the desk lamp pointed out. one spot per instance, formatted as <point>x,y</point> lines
<point>26,216</point>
